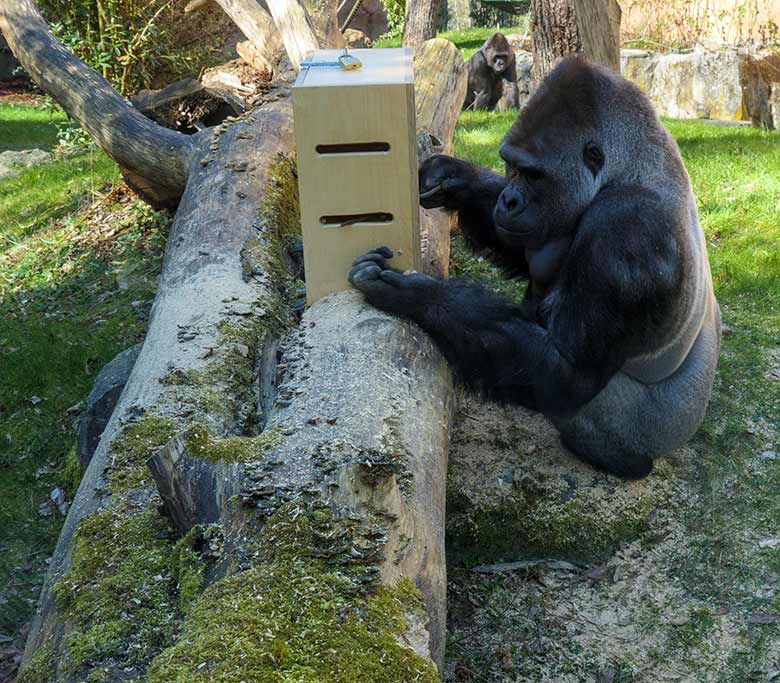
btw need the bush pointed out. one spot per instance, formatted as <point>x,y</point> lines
<point>136,44</point>
<point>395,10</point>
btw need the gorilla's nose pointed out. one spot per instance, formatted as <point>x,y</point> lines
<point>511,203</point>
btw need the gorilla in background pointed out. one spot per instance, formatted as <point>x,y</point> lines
<point>492,76</point>
<point>617,338</point>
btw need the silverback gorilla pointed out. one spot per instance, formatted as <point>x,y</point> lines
<point>492,76</point>
<point>617,338</point>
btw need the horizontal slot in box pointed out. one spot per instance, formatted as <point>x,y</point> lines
<point>353,148</point>
<point>343,220</point>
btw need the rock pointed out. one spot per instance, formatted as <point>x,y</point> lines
<point>356,39</point>
<point>101,402</point>
<point>57,496</point>
<point>11,162</point>
<point>524,61</point>
<point>520,42</point>
<point>514,493</point>
<point>704,84</point>
<point>760,80</point>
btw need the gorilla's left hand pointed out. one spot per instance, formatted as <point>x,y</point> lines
<point>389,289</point>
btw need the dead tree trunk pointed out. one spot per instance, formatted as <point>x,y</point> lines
<point>564,27</point>
<point>440,77</point>
<point>311,513</point>
<point>420,22</point>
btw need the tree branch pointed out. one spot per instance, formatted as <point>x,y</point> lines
<point>153,157</point>
<point>258,27</point>
<point>296,28</point>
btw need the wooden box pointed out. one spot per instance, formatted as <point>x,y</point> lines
<point>357,164</point>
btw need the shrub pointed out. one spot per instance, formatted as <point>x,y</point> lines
<point>135,44</point>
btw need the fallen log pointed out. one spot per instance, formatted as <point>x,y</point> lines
<point>312,544</point>
<point>188,105</point>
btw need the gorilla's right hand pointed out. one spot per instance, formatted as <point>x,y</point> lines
<point>446,182</point>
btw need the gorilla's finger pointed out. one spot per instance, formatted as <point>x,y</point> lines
<point>364,272</point>
<point>455,186</point>
<point>372,257</point>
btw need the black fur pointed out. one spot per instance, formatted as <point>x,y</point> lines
<point>597,212</point>
<point>492,76</point>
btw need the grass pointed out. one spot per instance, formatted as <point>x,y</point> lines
<point>468,41</point>
<point>78,255</point>
<point>25,127</point>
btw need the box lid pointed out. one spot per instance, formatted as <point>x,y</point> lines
<point>381,66</point>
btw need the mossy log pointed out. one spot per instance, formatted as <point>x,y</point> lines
<point>319,555</point>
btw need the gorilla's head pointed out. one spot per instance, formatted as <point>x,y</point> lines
<point>576,133</point>
<point>498,52</point>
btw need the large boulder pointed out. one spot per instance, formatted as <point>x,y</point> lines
<point>101,402</point>
<point>760,80</point>
<point>703,84</point>
<point>525,85</point>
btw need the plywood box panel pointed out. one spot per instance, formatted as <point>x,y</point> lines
<point>373,108</point>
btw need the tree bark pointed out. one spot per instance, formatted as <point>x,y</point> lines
<point>440,78</point>
<point>295,27</point>
<point>420,22</point>
<point>564,27</point>
<point>259,28</point>
<point>144,151</point>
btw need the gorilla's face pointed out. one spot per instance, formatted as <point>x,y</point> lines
<point>553,176</point>
<point>499,62</point>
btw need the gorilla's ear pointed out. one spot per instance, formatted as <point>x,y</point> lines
<point>593,157</point>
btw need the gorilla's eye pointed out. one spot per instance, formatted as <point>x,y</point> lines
<point>594,158</point>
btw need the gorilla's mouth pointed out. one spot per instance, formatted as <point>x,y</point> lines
<point>512,236</point>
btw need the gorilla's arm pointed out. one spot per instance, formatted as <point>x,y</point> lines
<point>454,184</point>
<point>613,301</point>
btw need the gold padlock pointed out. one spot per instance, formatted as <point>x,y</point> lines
<point>349,62</point>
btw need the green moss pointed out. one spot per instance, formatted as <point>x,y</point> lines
<point>546,523</point>
<point>201,444</point>
<point>71,473</point>
<point>39,669</point>
<point>132,447</point>
<point>187,569</point>
<point>117,594</point>
<point>280,210</point>
<point>293,618</point>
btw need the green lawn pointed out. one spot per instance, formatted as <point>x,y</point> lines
<point>24,127</point>
<point>78,260</point>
